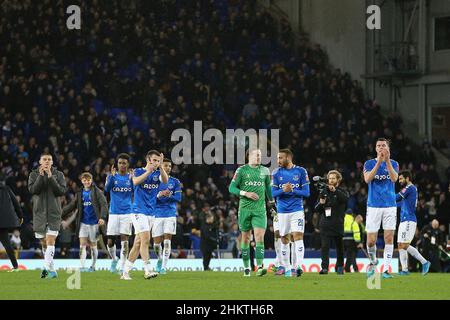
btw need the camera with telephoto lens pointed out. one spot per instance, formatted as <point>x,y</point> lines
<point>321,185</point>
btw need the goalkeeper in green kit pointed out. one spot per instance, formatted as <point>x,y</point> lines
<point>252,184</point>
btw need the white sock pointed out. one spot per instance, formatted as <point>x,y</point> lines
<point>293,255</point>
<point>83,254</point>
<point>147,266</point>
<point>123,253</point>
<point>112,252</point>
<point>372,252</point>
<point>416,254</point>
<point>128,266</point>
<point>387,256</point>
<point>278,252</point>
<point>94,256</point>
<point>158,250</point>
<point>403,259</point>
<point>285,255</point>
<point>300,248</point>
<point>166,255</point>
<point>48,258</point>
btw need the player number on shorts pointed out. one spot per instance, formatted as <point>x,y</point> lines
<point>300,222</point>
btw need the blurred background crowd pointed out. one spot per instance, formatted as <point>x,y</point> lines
<point>137,70</point>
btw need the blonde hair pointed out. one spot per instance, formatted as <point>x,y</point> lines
<point>337,173</point>
<point>86,175</point>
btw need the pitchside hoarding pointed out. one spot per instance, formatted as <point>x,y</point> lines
<point>229,265</point>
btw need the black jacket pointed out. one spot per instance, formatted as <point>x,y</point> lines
<point>337,201</point>
<point>10,211</point>
<point>427,243</point>
<point>209,234</point>
<point>98,202</point>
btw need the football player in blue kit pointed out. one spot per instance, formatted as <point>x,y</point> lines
<point>165,224</point>
<point>146,184</point>
<point>381,174</point>
<point>120,187</point>
<point>290,184</point>
<point>407,200</point>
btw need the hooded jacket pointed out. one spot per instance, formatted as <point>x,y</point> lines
<point>46,200</point>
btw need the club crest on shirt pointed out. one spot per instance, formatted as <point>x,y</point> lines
<point>281,178</point>
<point>170,186</point>
<point>116,182</point>
<point>296,177</point>
<point>155,178</point>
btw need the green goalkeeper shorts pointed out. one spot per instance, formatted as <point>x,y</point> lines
<point>249,220</point>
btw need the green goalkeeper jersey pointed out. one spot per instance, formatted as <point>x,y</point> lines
<point>252,179</point>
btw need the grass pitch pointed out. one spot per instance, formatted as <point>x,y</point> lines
<point>220,286</point>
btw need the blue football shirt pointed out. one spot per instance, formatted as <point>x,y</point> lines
<point>145,193</point>
<point>381,189</point>
<point>407,200</point>
<point>166,207</point>
<point>120,188</point>
<point>288,202</point>
<point>89,216</point>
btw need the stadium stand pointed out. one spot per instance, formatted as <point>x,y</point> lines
<point>137,71</point>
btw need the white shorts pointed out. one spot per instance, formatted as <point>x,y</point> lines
<point>141,222</point>
<point>49,232</point>
<point>164,226</point>
<point>119,224</point>
<point>89,231</point>
<point>291,222</point>
<point>276,223</point>
<point>375,216</point>
<point>406,231</point>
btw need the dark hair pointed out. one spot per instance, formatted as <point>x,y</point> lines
<point>124,156</point>
<point>152,152</point>
<point>406,174</point>
<point>167,160</point>
<point>288,152</point>
<point>385,140</point>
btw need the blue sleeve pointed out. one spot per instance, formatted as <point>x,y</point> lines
<point>109,183</point>
<point>395,166</point>
<point>138,172</point>
<point>304,192</point>
<point>304,183</point>
<point>176,196</point>
<point>368,166</point>
<point>398,199</point>
<point>276,191</point>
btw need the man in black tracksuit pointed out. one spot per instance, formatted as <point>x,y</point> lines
<point>331,207</point>
<point>208,241</point>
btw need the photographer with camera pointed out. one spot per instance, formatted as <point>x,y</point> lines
<point>331,207</point>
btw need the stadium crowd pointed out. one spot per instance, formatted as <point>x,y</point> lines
<point>166,64</point>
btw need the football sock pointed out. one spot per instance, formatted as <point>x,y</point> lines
<point>259,254</point>
<point>416,254</point>
<point>246,254</point>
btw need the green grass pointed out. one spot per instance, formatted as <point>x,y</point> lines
<point>221,285</point>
